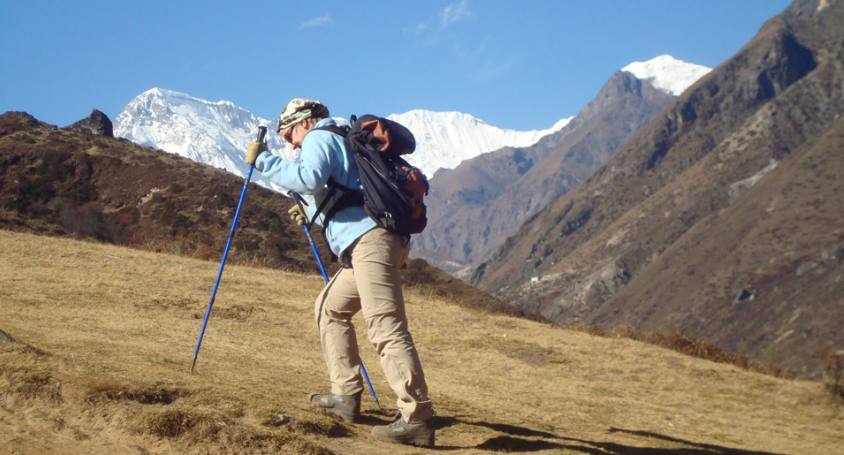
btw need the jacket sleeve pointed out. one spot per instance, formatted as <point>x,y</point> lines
<point>306,176</point>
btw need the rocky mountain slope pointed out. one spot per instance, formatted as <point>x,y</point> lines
<point>63,182</point>
<point>721,218</point>
<point>476,206</point>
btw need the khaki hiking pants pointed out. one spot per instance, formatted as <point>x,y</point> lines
<point>372,285</point>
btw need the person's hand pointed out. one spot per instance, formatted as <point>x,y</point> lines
<point>297,214</point>
<point>252,152</point>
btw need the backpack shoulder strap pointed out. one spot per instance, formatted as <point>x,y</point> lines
<point>348,198</point>
<point>338,130</point>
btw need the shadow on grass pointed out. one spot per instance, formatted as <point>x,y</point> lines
<point>522,439</point>
<point>376,417</point>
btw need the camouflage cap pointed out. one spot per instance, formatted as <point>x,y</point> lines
<point>299,109</point>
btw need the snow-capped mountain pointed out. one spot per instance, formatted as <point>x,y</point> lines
<point>445,139</point>
<point>216,133</point>
<point>667,73</point>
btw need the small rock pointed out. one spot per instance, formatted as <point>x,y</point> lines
<point>806,267</point>
<point>6,338</point>
<point>745,295</point>
<point>279,419</point>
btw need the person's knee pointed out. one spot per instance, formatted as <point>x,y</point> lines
<point>388,332</point>
<point>331,309</point>
<point>337,316</point>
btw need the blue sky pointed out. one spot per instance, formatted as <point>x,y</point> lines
<point>514,64</point>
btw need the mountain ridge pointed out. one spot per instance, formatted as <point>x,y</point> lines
<point>445,139</point>
<point>217,132</point>
<point>475,207</point>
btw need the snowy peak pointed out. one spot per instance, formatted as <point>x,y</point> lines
<point>211,132</point>
<point>157,106</point>
<point>445,139</point>
<point>156,102</point>
<point>667,73</point>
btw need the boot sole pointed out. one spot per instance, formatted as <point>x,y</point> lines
<point>421,441</point>
<point>344,418</point>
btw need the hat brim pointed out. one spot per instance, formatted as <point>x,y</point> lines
<point>298,119</point>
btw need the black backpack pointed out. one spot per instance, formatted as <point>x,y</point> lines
<point>393,190</point>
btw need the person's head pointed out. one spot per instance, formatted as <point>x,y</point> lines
<point>298,117</point>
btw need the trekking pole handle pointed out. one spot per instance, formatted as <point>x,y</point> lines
<point>300,201</point>
<point>297,197</point>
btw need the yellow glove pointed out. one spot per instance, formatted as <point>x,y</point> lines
<point>297,214</point>
<point>252,152</point>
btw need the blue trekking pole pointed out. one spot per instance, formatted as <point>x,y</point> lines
<point>262,131</point>
<point>301,203</point>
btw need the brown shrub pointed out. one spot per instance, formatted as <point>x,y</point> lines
<point>37,384</point>
<point>197,427</point>
<point>172,423</point>
<point>154,394</point>
<point>246,440</point>
<point>319,425</point>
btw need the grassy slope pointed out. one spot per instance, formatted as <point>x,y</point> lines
<point>104,338</point>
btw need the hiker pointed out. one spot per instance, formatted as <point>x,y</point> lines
<point>368,280</point>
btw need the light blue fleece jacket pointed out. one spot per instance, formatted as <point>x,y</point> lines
<point>323,156</point>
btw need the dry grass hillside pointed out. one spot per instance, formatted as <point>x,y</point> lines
<point>96,343</point>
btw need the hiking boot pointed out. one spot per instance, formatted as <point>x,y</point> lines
<point>418,433</point>
<point>347,407</point>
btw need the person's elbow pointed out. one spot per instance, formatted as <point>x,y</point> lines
<point>312,179</point>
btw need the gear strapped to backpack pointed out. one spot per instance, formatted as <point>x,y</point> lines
<point>393,190</point>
